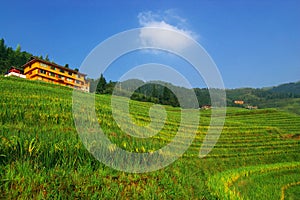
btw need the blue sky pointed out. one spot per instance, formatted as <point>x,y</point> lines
<point>253,43</point>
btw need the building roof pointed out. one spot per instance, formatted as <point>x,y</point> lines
<point>35,59</point>
<point>18,68</point>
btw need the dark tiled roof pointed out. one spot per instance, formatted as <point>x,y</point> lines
<point>35,59</point>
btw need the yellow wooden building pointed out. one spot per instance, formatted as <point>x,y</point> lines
<point>38,69</point>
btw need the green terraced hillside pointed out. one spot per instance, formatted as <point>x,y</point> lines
<point>42,157</point>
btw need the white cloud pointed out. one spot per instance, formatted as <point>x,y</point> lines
<point>166,21</point>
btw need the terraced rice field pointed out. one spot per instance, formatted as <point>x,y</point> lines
<point>42,156</point>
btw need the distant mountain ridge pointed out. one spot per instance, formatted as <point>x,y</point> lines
<point>287,88</point>
<point>156,92</point>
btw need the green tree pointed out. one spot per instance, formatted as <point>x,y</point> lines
<point>93,85</point>
<point>101,87</point>
<point>165,96</point>
<point>3,56</point>
<point>47,58</point>
<point>110,87</point>
<point>154,91</point>
<point>18,49</point>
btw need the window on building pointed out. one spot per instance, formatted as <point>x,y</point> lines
<point>77,82</point>
<point>43,71</point>
<point>70,73</point>
<point>52,67</point>
<point>62,71</point>
<point>43,65</point>
<point>52,74</point>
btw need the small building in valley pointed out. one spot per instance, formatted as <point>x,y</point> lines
<point>38,69</point>
<point>251,107</point>
<point>206,107</point>
<point>238,102</point>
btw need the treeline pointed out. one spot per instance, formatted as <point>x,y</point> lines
<point>261,97</point>
<point>168,94</point>
<point>10,57</point>
<point>16,58</point>
<point>101,86</point>
<point>155,91</point>
<point>289,88</point>
<point>150,92</point>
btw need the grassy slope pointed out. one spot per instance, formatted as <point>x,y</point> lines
<point>41,155</point>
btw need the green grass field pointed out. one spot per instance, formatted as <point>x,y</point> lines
<point>42,157</point>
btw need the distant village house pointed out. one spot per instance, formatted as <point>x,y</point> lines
<point>251,107</point>
<point>239,102</point>
<point>206,107</point>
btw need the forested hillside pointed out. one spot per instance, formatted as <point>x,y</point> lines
<point>10,57</point>
<point>292,88</point>
<point>282,96</point>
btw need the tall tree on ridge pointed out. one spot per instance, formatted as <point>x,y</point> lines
<point>101,85</point>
